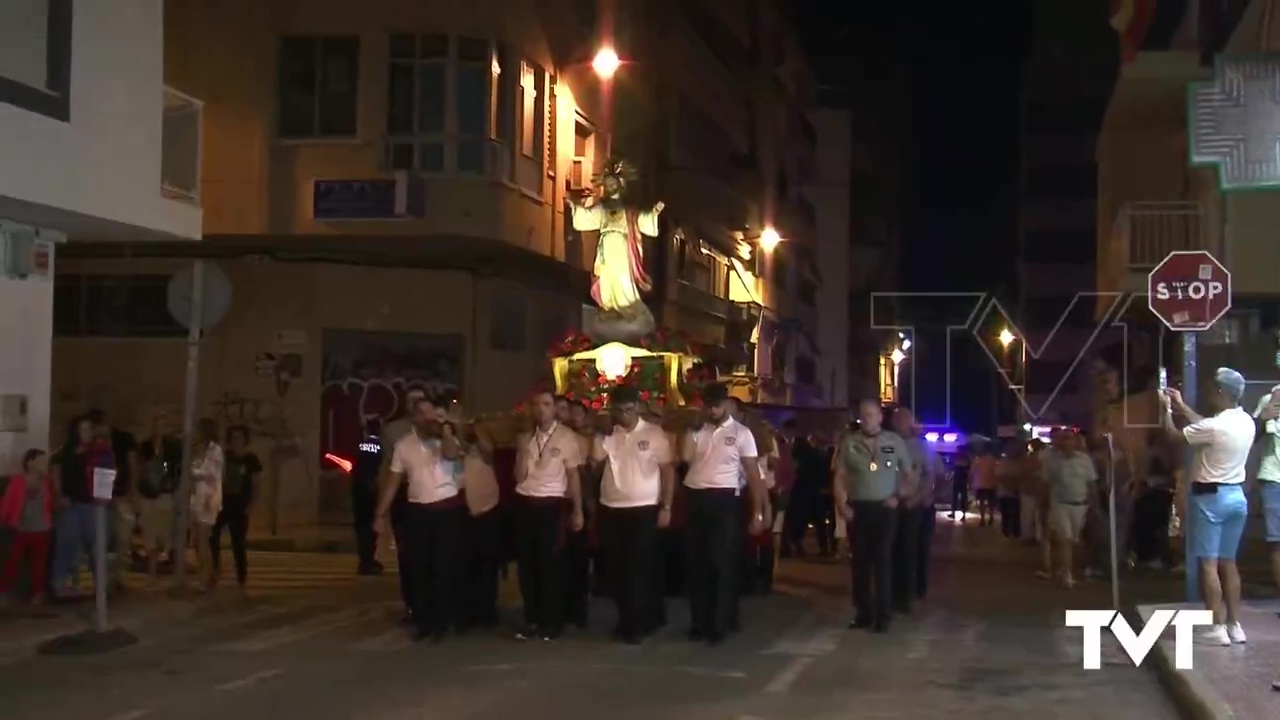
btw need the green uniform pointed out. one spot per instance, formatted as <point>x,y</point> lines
<point>874,475</point>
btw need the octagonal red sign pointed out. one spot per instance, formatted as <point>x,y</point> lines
<point>1189,290</point>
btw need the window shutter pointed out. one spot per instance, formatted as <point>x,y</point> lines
<point>552,106</point>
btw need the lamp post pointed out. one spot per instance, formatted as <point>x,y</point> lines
<point>606,63</point>
<point>897,356</point>
<point>1007,338</point>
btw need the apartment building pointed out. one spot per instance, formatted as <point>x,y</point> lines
<point>1152,202</point>
<point>385,188</point>
<point>830,189</point>
<point>95,149</point>
<point>1067,78</point>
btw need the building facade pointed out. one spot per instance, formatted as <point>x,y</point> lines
<point>96,149</point>
<point>1067,79</point>
<point>829,190</point>
<point>386,190</point>
<point>1152,202</point>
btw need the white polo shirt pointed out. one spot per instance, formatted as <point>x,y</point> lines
<point>633,465</point>
<point>548,457</point>
<point>431,477</point>
<point>480,483</point>
<point>1269,448</point>
<point>718,452</point>
<point>1222,443</point>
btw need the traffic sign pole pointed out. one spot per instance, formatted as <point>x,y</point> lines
<point>1189,291</point>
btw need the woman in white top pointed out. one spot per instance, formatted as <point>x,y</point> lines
<point>206,495</point>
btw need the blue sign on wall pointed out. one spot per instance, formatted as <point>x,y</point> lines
<point>369,199</point>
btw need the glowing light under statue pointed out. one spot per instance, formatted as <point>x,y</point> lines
<point>613,360</point>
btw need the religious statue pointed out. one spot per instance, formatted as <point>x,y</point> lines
<point>618,275</point>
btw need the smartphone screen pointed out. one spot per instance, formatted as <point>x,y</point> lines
<point>1164,379</point>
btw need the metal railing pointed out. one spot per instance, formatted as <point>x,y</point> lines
<point>181,142</point>
<point>1152,230</point>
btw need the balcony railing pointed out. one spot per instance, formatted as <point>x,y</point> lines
<point>180,146</point>
<point>1152,230</point>
<point>699,299</point>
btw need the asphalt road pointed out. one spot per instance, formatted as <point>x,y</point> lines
<point>988,644</point>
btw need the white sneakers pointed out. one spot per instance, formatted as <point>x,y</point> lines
<point>1216,635</point>
<point>1224,635</point>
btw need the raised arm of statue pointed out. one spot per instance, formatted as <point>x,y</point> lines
<point>587,218</point>
<point>647,220</point>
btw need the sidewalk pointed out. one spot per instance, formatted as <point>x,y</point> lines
<point>1227,683</point>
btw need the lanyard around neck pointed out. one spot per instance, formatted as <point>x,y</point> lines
<point>542,446</point>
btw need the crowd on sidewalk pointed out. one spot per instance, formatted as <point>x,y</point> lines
<point>47,509</point>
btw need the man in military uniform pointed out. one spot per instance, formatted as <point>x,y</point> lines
<point>365,472</point>
<point>874,477</point>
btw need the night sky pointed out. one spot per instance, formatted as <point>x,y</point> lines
<point>960,206</point>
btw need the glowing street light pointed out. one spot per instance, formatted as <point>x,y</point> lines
<point>606,63</point>
<point>897,356</point>
<point>1006,337</point>
<point>769,239</point>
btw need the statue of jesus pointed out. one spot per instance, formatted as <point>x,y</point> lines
<point>618,276</point>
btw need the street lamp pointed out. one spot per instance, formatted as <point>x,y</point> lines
<point>606,63</point>
<point>769,239</point>
<point>1006,337</point>
<point>897,356</point>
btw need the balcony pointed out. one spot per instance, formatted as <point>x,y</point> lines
<point>1149,231</point>
<point>180,147</point>
<point>701,300</point>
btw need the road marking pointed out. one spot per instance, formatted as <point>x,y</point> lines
<point>811,642</point>
<point>248,680</point>
<point>133,714</point>
<point>783,681</point>
<point>293,633</point>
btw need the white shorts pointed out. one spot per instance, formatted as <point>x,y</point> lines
<point>1067,521</point>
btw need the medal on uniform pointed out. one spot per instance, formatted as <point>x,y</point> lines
<point>874,467</point>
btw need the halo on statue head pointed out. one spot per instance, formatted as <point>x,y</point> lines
<point>618,169</point>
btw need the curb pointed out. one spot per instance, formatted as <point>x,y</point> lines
<point>1191,694</point>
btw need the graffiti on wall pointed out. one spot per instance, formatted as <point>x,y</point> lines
<point>366,375</point>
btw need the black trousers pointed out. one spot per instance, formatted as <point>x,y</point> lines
<point>235,518</point>
<point>924,554</point>
<point>577,576</point>
<point>872,533</point>
<point>906,561</point>
<point>807,506</point>
<point>540,561</point>
<point>364,500</point>
<point>714,537</point>
<point>1011,516</point>
<point>959,495</point>
<point>484,562</point>
<point>1151,514</point>
<point>630,537</point>
<point>435,534</point>
<point>404,561</point>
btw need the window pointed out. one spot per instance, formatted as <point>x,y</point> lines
<point>113,306</point>
<point>528,110</point>
<point>508,322</point>
<point>474,79</point>
<point>584,150</point>
<point>416,102</point>
<point>318,78</point>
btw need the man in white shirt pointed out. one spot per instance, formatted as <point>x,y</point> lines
<point>720,452</point>
<point>434,519</point>
<point>636,490</point>
<point>547,487</point>
<point>392,432</point>
<point>1268,431</point>
<point>1217,506</point>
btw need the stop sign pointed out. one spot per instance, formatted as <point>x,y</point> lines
<point>1189,290</point>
